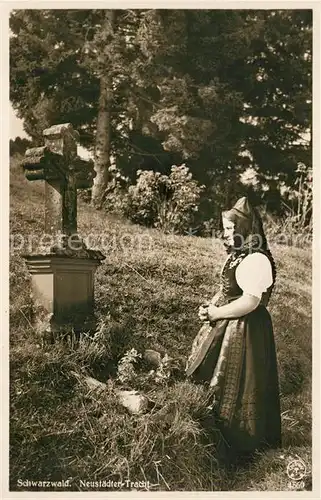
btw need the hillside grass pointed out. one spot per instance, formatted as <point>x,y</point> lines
<point>147,291</point>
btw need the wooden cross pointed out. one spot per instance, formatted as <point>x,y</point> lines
<point>58,164</point>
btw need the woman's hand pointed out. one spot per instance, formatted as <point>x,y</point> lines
<point>213,313</point>
<point>208,312</point>
<point>235,309</point>
<point>203,312</point>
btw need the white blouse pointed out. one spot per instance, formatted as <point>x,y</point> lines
<point>254,274</point>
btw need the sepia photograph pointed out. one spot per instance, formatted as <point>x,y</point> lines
<point>160,249</point>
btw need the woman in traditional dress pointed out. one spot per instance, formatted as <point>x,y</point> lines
<point>234,351</point>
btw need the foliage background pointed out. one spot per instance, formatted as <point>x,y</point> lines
<point>219,90</point>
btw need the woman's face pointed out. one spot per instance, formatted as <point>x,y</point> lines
<point>228,232</point>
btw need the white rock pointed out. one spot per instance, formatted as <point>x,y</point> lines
<point>134,402</point>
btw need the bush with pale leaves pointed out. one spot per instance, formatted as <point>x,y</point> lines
<point>167,202</point>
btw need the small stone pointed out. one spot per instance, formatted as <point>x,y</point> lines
<point>134,402</point>
<point>152,357</point>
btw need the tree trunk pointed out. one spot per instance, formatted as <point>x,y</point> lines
<point>103,131</point>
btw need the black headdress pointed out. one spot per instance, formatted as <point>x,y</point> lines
<point>248,229</point>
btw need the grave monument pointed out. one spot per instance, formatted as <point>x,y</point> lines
<point>62,278</point>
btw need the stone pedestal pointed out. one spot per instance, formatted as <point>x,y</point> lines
<point>63,292</point>
<point>63,277</point>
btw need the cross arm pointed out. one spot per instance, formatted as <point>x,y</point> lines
<point>38,164</point>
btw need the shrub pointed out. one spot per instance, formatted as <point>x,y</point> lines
<point>166,202</point>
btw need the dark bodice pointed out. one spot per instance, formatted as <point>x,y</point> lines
<point>229,287</point>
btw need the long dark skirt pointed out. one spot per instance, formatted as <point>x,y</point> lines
<point>237,359</point>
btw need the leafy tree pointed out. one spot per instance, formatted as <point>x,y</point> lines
<point>73,66</point>
<point>238,94</point>
<point>48,83</point>
<point>201,92</point>
<point>278,112</point>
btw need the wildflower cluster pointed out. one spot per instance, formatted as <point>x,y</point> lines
<point>126,371</point>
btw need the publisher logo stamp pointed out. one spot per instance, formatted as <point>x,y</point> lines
<point>296,470</point>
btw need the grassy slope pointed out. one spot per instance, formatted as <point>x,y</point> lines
<point>147,291</point>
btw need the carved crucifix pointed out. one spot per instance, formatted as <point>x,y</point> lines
<point>62,280</point>
<point>58,164</point>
